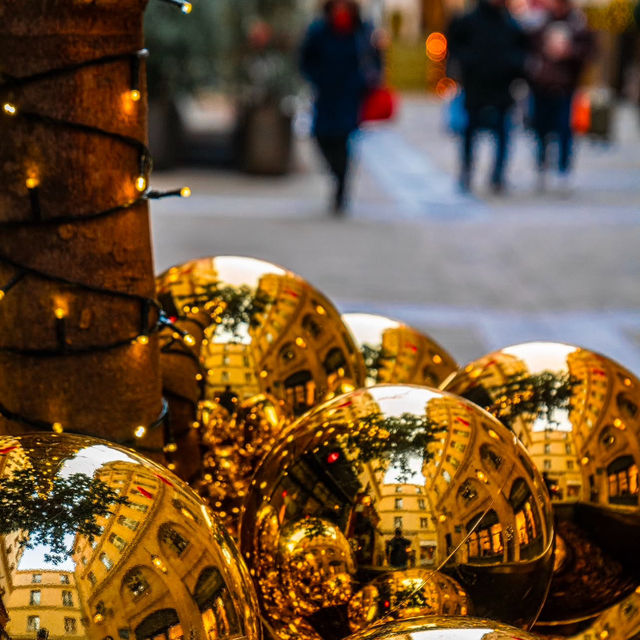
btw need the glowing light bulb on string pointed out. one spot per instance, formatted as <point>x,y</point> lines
<point>10,109</point>
<point>141,183</point>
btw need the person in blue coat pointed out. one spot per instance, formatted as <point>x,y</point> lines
<point>341,62</point>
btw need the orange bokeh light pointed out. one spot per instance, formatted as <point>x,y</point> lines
<point>446,88</point>
<point>437,46</point>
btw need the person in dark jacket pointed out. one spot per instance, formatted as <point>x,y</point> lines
<point>561,45</point>
<point>340,61</point>
<point>487,50</point>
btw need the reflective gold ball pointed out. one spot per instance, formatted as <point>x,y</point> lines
<point>441,628</point>
<point>388,499</point>
<point>264,330</point>
<point>578,414</point>
<point>396,353</point>
<point>99,542</point>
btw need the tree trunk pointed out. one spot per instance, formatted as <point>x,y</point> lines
<point>110,392</point>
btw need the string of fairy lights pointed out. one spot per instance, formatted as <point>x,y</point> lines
<point>151,317</point>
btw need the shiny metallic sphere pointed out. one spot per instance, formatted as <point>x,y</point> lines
<point>392,500</point>
<point>99,542</point>
<point>398,354</point>
<point>578,414</point>
<point>441,628</point>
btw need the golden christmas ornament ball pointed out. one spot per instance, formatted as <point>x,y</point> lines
<point>398,354</point>
<point>399,479</point>
<point>578,414</point>
<point>99,542</point>
<point>441,628</point>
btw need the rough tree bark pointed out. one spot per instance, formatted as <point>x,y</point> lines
<point>102,393</point>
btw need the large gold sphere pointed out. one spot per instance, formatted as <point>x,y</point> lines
<point>254,330</point>
<point>578,414</point>
<point>98,542</point>
<point>441,628</point>
<point>398,354</point>
<point>266,330</point>
<point>397,489</point>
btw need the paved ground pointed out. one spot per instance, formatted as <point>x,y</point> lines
<point>475,272</point>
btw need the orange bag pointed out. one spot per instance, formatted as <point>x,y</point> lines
<point>581,113</point>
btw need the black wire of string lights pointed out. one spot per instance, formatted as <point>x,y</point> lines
<point>11,108</point>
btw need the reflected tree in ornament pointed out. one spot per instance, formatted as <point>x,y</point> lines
<point>526,396</point>
<point>47,512</point>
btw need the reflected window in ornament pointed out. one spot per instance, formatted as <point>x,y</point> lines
<point>138,507</point>
<point>453,461</point>
<point>422,504</point>
<point>67,599</point>
<point>170,537</point>
<point>106,561</point>
<point>424,523</point>
<point>64,578</point>
<point>36,577</point>
<point>118,542</point>
<point>70,625</point>
<point>468,493</point>
<point>398,488</point>
<point>130,523</point>
<point>547,465</point>
<point>34,598</point>
<point>570,465</point>
<point>447,476</point>
<point>136,583</point>
<point>490,457</point>
<point>398,503</point>
<point>397,522</point>
<point>33,623</point>
<point>92,578</point>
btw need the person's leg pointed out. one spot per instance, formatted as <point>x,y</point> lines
<point>335,150</point>
<point>541,129</point>
<point>467,150</point>
<point>565,135</point>
<point>501,132</point>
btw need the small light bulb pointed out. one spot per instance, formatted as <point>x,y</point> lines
<point>141,183</point>
<point>171,447</point>
<point>59,313</point>
<point>198,375</point>
<point>134,94</point>
<point>189,340</point>
<point>2,294</point>
<point>186,8</point>
<point>195,425</point>
<point>142,339</point>
<point>185,192</point>
<point>9,109</point>
<point>56,427</point>
<point>171,466</point>
<point>32,183</point>
<point>139,431</point>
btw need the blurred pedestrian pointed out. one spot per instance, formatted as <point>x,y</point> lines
<point>487,52</point>
<point>561,45</point>
<point>340,60</point>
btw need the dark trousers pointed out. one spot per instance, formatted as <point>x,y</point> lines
<point>495,120</point>
<point>335,150</point>
<point>552,118</point>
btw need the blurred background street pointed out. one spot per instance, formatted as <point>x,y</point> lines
<point>474,271</point>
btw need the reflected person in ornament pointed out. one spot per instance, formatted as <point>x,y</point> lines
<point>340,60</point>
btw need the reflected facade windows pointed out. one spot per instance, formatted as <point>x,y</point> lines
<point>136,583</point>
<point>130,523</point>
<point>485,540</point>
<point>33,623</point>
<point>118,542</point>
<point>70,625</point>
<point>106,561</point>
<point>623,481</point>
<point>36,577</point>
<point>67,598</point>
<point>176,542</point>
<point>34,597</point>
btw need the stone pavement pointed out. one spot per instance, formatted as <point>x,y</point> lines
<point>474,272</point>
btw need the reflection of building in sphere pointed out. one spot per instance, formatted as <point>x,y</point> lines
<point>143,559</point>
<point>577,414</point>
<point>136,555</point>
<point>266,330</point>
<point>461,491</point>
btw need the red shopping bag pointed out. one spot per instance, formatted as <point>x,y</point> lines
<point>380,104</point>
<point>581,113</point>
